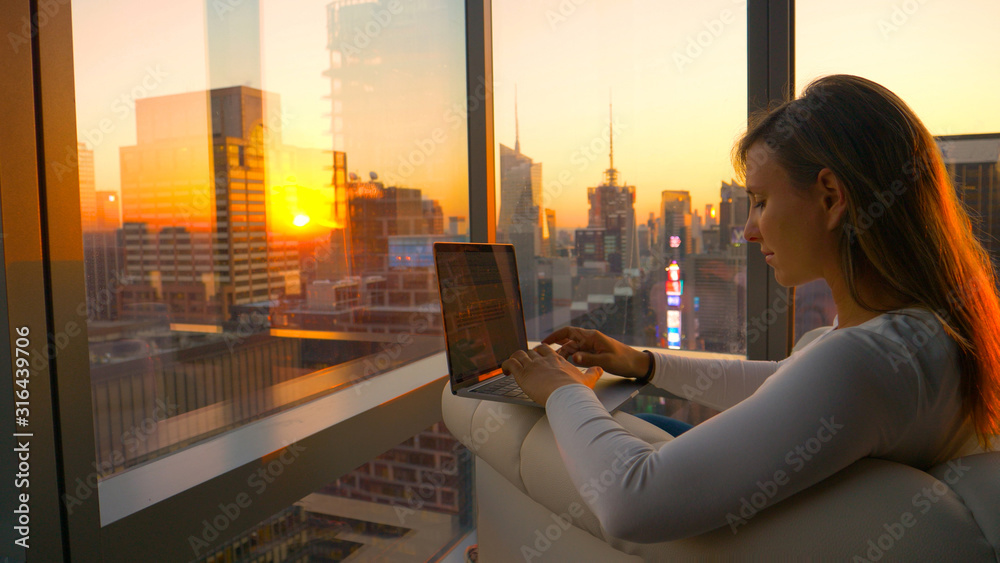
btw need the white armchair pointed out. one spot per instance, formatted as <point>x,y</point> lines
<point>529,510</point>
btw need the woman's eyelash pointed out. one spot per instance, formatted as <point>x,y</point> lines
<point>759,204</point>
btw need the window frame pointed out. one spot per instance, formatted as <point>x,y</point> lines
<point>770,79</point>
<point>42,277</point>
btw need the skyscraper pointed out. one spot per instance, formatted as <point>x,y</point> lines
<point>521,214</point>
<point>716,291</point>
<point>193,204</point>
<point>457,226</point>
<point>521,220</point>
<point>434,217</point>
<point>88,188</point>
<point>734,208</point>
<point>376,213</point>
<point>103,266</point>
<point>677,236</point>
<point>642,233</point>
<point>590,247</point>
<point>549,245</point>
<point>329,255</point>
<point>974,164</point>
<point>612,208</point>
<point>711,215</point>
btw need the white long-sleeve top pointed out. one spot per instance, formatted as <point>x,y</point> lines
<point>888,388</point>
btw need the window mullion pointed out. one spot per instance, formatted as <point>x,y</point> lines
<point>770,79</point>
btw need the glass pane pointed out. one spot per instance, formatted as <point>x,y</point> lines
<point>412,503</point>
<point>936,56</point>
<point>615,181</point>
<point>261,183</point>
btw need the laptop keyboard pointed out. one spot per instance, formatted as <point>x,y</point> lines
<point>504,386</point>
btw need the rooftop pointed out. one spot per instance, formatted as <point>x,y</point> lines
<point>968,149</point>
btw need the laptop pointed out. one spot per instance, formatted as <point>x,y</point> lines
<point>484,325</point>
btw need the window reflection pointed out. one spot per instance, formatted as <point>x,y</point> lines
<point>411,503</point>
<point>259,204</point>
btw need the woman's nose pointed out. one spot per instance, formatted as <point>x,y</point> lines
<point>750,232</point>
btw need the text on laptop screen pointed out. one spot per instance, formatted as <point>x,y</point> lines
<point>481,305</point>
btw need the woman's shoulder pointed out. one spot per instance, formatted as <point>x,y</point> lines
<point>916,329</point>
<point>914,336</point>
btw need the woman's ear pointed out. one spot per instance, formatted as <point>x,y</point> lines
<point>833,198</point>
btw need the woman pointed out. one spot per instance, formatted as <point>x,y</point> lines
<point>847,185</point>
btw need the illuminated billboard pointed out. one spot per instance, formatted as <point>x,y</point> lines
<point>674,285</point>
<point>673,329</point>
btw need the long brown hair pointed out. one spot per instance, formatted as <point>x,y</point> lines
<point>904,225</point>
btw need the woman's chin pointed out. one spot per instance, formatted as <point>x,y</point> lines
<point>778,277</point>
<point>785,281</point>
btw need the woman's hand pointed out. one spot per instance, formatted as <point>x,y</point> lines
<point>592,348</point>
<point>541,371</point>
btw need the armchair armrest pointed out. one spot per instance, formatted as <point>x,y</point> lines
<point>852,513</point>
<point>517,442</point>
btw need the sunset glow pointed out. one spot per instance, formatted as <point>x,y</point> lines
<point>678,84</point>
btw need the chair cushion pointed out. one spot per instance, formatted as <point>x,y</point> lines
<point>976,478</point>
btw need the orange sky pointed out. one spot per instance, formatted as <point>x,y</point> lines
<point>680,114</point>
<point>676,71</point>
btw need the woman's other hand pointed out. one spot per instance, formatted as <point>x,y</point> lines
<point>541,371</point>
<point>588,348</point>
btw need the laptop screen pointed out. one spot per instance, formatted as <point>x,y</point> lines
<point>481,306</point>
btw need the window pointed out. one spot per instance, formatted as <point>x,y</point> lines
<point>921,51</point>
<point>614,124</point>
<point>614,165</point>
<point>283,170</point>
<point>335,137</point>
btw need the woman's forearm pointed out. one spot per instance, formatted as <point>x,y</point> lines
<point>714,382</point>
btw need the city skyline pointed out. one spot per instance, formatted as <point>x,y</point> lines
<point>679,116</point>
<point>671,135</point>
